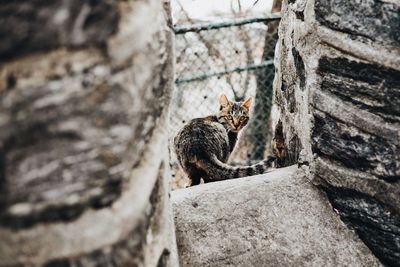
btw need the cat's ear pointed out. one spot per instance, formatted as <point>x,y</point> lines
<point>223,101</point>
<point>247,103</point>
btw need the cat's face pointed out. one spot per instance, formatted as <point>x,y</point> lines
<point>234,115</point>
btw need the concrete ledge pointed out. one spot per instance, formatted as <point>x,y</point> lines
<point>275,219</point>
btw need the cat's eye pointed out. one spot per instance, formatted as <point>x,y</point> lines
<point>242,118</point>
<point>229,117</point>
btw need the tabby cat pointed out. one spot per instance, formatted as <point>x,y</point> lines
<point>204,144</point>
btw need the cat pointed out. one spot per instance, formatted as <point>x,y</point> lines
<point>204,145</point>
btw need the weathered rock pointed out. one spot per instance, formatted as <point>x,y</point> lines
<point>376,21</point>
<point>71,23</point>
<point>78,128</point>
<point>337,89</point>
<point>275,219</point>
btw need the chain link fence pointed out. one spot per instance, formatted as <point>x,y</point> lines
<point>230,57</point>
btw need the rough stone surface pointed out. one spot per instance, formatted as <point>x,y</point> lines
<point>376,21</point>
<point>275,219</point>
<point>27,26</point>
<point>83,152</point>
<point>337,90</point>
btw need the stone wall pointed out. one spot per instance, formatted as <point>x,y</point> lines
<point>337,89</point>
<point>84,95</point>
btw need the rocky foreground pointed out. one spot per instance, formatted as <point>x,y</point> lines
<point>275,219</point>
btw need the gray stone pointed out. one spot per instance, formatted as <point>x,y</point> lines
<point>27,26</point>
<point>84,173</point>
<point>377,21</point>
<point>337,92</point>
<point>275,219</point>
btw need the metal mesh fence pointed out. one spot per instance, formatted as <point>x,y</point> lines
<point>233,58</point>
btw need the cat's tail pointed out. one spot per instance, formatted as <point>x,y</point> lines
<point>217,170</point>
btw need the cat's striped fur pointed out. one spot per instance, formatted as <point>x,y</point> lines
<point>204,144</point>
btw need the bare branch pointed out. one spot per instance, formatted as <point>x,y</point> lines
<point>276,6</point>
